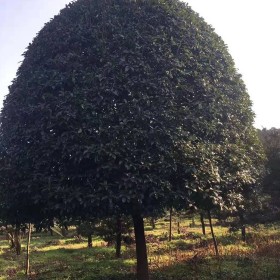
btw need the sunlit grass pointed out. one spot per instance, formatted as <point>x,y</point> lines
<point>189,255</point>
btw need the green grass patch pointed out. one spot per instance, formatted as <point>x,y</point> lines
<point>190,255</point>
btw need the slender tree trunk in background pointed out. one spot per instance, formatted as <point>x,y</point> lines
<point>243,232</point>
<point>170,225</point>
<point>119,237</point>
<point>50,230</point>
<point>23,231</point>
<point>90,240</point>
<point>11,238</point>
<point>243,227</point>
<point>202,223</point>
<point>193,222</point>
<point>64,230</point>
<point>212,233</point>
<point>17,240</point>
<point>178,227</point>
<point>153,223</point>
<point>141,249</point>
<point>27,267</point>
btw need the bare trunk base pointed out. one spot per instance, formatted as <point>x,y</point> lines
<point>11,239</point>
<point>27,267</point>
<point>213,235</point>
<point>89,241</point>
<point>243,233</point>
<point>118,238</point>
<point>170,225</point>
<point>202,223</point>
<point>17,241</point>
<point>141,250</point>
<point>153,223</point>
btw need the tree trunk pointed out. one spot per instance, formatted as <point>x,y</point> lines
<point>10,237</point>
<point>153,223</point>
<point>17,240</point>
<point>243,232</point>
<point>178,227</point>
<point>212,233</point>
<point>89,240</point>
<point>170,225</point>
<point>64,230</point>
<point>50,230</point>
<point>27,268</point>
<point>119,238</point>
<point>37,229</point>
<point>243,227</point>
<point>202,223</point>
<point>141,250</point>
<point>193,221</point>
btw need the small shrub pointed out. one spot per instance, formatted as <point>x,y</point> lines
<point>163,236</point>
<point>54,243</point>
<point>128,240</point>
<point>148,228</point>
<point>182,245</point>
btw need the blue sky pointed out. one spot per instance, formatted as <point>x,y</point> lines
<point>249,28</point>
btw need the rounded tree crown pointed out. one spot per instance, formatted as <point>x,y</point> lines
<point>107,97</point>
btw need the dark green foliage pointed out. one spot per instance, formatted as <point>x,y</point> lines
<point>107,102</point>
<point>108,229</point>
<point>270,139</point>
<point>125,107</point>
<point>86,228</point>
<point>225,174</point>
<point>119,104</point>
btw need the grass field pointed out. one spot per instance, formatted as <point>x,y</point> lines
<point>190,255</point>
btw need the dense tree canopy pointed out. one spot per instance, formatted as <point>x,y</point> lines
<point>109,100</point>
<point>107,97</point>
<point>270,139</point>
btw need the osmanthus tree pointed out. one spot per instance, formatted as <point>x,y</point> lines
<point>224,176</point>
<point>270,139</point>
<point>108,97</point>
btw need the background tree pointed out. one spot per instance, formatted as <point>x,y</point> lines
<point>270,139</point>
<point>114,230</point>
<point>108,98</point>
<point>87,229</point>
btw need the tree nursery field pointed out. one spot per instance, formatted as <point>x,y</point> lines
<point>189,255</point>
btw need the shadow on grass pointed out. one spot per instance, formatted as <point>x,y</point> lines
<point>220,269</point>
<point>99,263</point>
